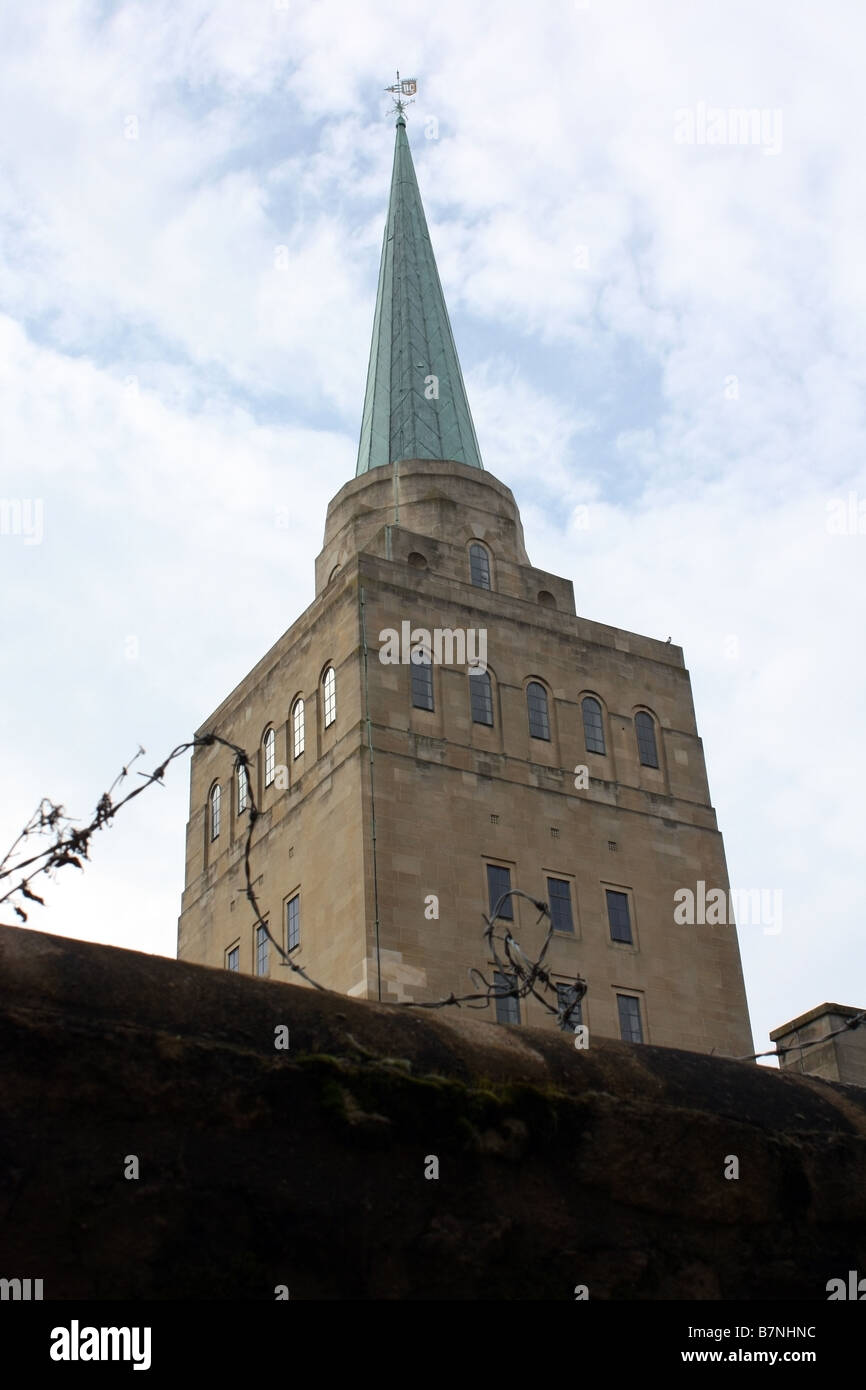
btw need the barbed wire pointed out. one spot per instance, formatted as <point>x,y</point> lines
<point>517,966</point>
<point>71,844</point>
<point>812,1042</point>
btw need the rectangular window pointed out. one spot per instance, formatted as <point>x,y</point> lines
<point>233,958</point>
<point>564,1000</point>
<point>293,922</point>
<point>507,1008</point>
<point>618,916</point>
<point>630,1028</point>
<point>499,882</point>
<point>243,789</point>
<point>422,685</point>
<point>559,899</point>
<point>262,944</point>
<point>481,698</point>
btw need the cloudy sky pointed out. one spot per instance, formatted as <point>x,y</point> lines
<point>660,313</point>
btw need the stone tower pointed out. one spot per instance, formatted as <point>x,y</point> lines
<point>400,799</point>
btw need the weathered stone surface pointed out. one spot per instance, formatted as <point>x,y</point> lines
<point>827,1041</point>
<point>259,1167</point>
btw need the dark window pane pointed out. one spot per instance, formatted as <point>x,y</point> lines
<point>559,895</point>
<point>233,959</point>
<point>481,698</point>
<point>593,726</point>
<point>630,1027</point>
<point>507,1009</point>
<point>564,1000</point>
<point>646,740</point>
<point>618,915</point>
<point>536,702</point>
<point>499,882</point>
<point>215,798</point>
<point>479,566</point>
<point>293,923</point>
<point>422,685</point>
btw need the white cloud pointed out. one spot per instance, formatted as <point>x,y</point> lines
<point>607,383</point>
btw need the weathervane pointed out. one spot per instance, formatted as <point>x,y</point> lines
<point>403,87</point>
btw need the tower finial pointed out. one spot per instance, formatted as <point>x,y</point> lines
<point>415,403</point>
<point>407,87</point>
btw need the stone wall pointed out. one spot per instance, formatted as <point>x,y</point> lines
<point>828,1041</point>
<point>305,1167</point>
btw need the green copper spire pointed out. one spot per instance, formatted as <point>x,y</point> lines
<point>416,405</point>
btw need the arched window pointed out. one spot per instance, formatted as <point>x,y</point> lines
<point>329,687</point>
<point>481,698</point>
<point>270,742</point>
<point>261,950</point>
<point>298,728</point>
<point>479,565</point>
<point>536,704</point>
<point>215,798</point>
<point>644,726</point>
<point>593,725</point>
<point>243,789</point>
